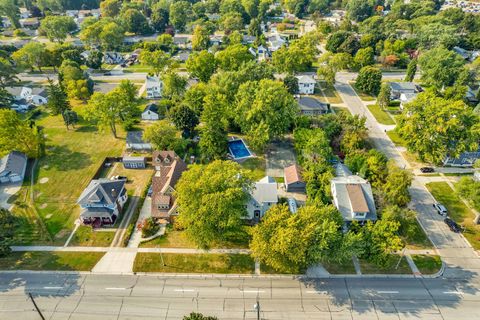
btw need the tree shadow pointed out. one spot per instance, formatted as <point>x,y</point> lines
<point>62,158</point>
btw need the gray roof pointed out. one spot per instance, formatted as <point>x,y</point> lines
<point>14,91</point>
<point>133,159</point>
<point>102,191</point>
<point>466,159</point>
<point>39,92</point>
<point>308,103</point>
<point>180,40</point>
<point>93,212</point>
<point>343,201</point>
<point>403,86</point>
<point>151,107</point>
<point>135,137</point>
<point>13,163</point>
<point>265,190</point>
<point>305,79</point>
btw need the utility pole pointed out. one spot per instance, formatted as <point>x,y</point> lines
<point>257,308</point>
<point>36,307</point>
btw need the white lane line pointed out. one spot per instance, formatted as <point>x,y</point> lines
<point>113,288</point>
<point>253,291</point>
<point>452,292</point>
<point>387,291</point>
<point>52,288</point>
<point>319,292</point>
<point>184,290</point>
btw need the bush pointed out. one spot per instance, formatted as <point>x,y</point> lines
<point>150,227</point>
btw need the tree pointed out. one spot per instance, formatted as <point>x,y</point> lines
<point>369,80</point>
<point>19,135</point>
<point>70,118</point>
<point>291,83</point>
<point>264,110</point>
<point>159,17</point>
<point>157,60</point>
<point>78,89</point>
<point>342,41</point>
<point>293,242</point>
<point>56,28</point>
<point>436,128</point>
<point>231,21</point>
<point>57,98</point>
<point>198,316</point>
<point>396,185</point>
<point>360,10</point>
<point>110,8</point>
<point>8,225</point>
<point>106,33</point>
<point>184,118</point>
<point>201,65</point>
<point>441,67</point>
<point>211,201</point>
<point>10,9</point>
<point>364,57</point>
<point>163,136</point>
<point>173,85</point>
<point>411,70</point>
<point>32,55</point>
<point>134,21</point>
<point>94,59</point>
<point>179,12</point>
<point>200,38</point>
<point>233,57</point>
<point>383,99</point>
<point>327,73</point>
<point>213,133</point>
<point>8,73</point>
<point>469,189</point>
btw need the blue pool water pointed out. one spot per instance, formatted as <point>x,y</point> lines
<point>238,149</point>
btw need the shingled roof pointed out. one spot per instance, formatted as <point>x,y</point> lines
<point>101,191</point>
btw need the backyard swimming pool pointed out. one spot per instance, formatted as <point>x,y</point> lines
<point>238,149</point>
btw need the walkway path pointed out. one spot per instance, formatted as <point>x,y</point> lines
<point>145,212</point>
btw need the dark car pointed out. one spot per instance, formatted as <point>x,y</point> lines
<point>150,191</point>
<point>119,178</point>
<point>452,225</point>
<point>427,169</point>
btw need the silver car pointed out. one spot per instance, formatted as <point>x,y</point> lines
<point>440,209</point>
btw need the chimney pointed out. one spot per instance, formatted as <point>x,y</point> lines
<point>114,193</point>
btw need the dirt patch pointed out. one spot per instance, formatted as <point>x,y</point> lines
<point>62,234</point>
<point>43,206</point>
<point>43,180</point>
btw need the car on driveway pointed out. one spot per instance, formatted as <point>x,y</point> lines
<point>119,178</point>
<point>440,209</point>
<point>452,225</point>
<point>427,170</point>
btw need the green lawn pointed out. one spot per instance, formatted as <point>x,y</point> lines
<point>341,109</point>
<point>179,239</point>
<point>85,236</point>
<point>396,139</point>
<point>416,239</point>
<point>194,263</point>
<point>340,268</point>
<point>330,93</point>
<point>427,264</point>
<point>382,116</point>
<point>364,96</point>
<point>390,268</point>
<point>457,210</point>
<point>75,261</point>
<point>256,166</point>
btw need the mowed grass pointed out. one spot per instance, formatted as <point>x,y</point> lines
<point>416,239</point>
<point>382,116</point>
<point>256,166</point>
<point>396,139</point>
<point>331,95</point>
<point>194,263</point>
<point>341,109</point>
<point>61,261</point>
<point>389,268</point>
<point>364,96</point>
<point>457,210</point>
<point>72,158</point>
<point>85,236</point>
<point>427,264</point>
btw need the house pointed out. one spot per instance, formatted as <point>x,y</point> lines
<point>102,202</point>
<point>112,58</point>
<point>247,39</point>
<point>134,162</point>
<point>36,96</point>
<point>262,197</point>
<point>135,141</point>
<point>465,54</point>
<point>263,54</point>
<point>153,87</point>
<point>466,159</point>
<point>169,168</point>
<point>275,42</point>
<point>13,167</point>
<point>180,42</point>
<point>397,88</point>
<point>306,84</point>
<point>293,179</point>
<point>216,40</point>
<point>182,56</point>
<point>31,23</point>
<point>150,112</point>
<point>312,107</point>
<point>406,98</point>
<point>24,13</point>
<point>353,197</point>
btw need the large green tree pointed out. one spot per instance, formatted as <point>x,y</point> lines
<point>369,80</point>
<point>213,132</point>
<point>163,136</point>
<point>211,201</point>
<point>135,22</point>
<point>201,65</point>
<point>32,55</point>
<point>157,60</point>
<point>8,225</point>
<point>233,57</point>
<point>360,10</point>
<point>57,28</point>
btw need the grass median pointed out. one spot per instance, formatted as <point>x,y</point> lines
<point>381,115</point>
<point>427,264</point>
<point>194,263</point>
<point>389,268</point>
<point>55,261</point>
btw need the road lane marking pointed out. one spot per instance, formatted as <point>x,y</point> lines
<point>319,292</point>
<point>113,288</point>
<point>52,288</point>
<point>452,292</point>
<point>253,291</point>
<point>184,290</point>
<point>387,291</point>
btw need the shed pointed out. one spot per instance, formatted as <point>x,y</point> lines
<point>136,162</point>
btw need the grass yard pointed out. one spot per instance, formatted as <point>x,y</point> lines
<point>194,263</point>
<point>330,93</point>
<point>62,261</point>
<point>457,210</point>
<point>179,239</point>
<point>416,239</point>
<point>138,67</point>
<point>390,268</point>
<point>382,116</point>
<point>85,236</point>
<point>364,96</point>
<point>427,264</point>
<point>340,268</point>
<point>395,137</point>
<point>256,166</point>
<point>341,109</point>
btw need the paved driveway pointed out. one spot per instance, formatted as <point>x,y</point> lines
<point>280,154</point>
<point>6,191</point>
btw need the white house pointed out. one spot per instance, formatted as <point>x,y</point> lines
<point>153,87</point>
<point>150,112</point>
<point>12,167</point>
<point>275,42</point>
<point>36,96</point>
<point>262,197</point>
<point>306,84</point>
<point>397,88</point>
<point>112,58</point>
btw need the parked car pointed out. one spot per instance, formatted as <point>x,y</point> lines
<point>108,73</point>
<point>119,178</point>
<point>452,225</point>
<point>427,170</point>
<point>440,209</point>
<point>150,191</point>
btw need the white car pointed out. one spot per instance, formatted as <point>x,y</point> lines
<point>440,209</point>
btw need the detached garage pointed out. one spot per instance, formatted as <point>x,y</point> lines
<point>12,167</point>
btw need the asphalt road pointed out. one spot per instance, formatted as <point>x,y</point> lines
<point>76,296</point>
